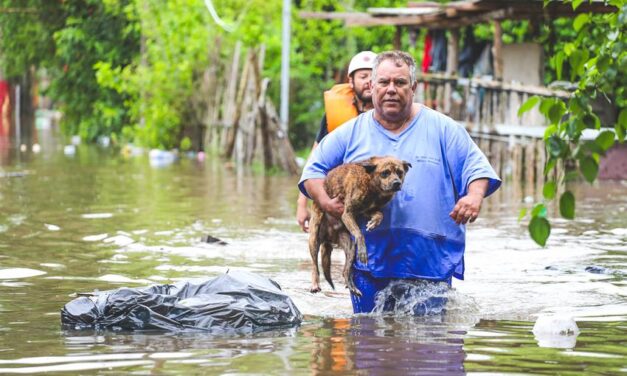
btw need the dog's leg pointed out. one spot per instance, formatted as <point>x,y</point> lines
<point>325,258</point>
<point>353,228</point>
<point>375,220</point>
<point>346,243</point>
<point>314,246</point>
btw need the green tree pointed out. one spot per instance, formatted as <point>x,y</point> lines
<point>178,38</point>
<point>68,38</point>
<point>94,32</point>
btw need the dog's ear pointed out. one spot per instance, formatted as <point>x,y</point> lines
<point>406,165</point>
<point>368,165</point>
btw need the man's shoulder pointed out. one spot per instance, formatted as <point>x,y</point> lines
<point>432,113</point>
<point>440,120</point>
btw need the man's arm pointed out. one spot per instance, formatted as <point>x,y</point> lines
<point>315,189</point>
<point>328,154</point>
<point>468,207</point>
<point>302,213</point>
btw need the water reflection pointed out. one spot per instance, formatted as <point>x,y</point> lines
<point>356,345</point>
<point>386,345</point>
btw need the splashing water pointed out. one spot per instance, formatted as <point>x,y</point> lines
<point>423,298</point>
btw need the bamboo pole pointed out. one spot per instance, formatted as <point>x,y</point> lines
<point>263,125</point>
<point>451,68</point>
<point>496,157</point>
<point>212,90</point>
<point>519,161</point>
<point>398,33</point>
<point>497,50</point>
<point>230,94</point>
<point>530,162</point>
<point>540,163</point>
<point>232,134</point>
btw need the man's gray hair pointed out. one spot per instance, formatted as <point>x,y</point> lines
<point>399,58</point>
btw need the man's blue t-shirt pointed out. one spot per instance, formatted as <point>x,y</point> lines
<point>417,238</point>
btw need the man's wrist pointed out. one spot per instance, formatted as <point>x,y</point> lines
<point>478,194</point>
<point>478,187</point>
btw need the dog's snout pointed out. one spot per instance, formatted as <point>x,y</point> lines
<point>396,185</point>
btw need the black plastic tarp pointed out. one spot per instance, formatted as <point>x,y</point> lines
<point>234,302</point>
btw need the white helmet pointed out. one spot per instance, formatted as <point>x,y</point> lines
<point>363,60</point>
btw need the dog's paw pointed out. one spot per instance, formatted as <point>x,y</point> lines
<point>374,221</point>
<point>314,289</point>
<point>372,224</point>
<point>354,290</point>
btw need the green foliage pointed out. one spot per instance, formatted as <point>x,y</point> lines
<point>68,39</point>
<point>539,229</point>
<point>549,190</point>
<point>539,210</point>
<point>160,80</point>
<point>596,57</point>
<point>529,104</point>
<point>186,144</point>
<point>567,205</point>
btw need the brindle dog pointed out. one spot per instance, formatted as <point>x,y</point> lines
<point>365,188</point>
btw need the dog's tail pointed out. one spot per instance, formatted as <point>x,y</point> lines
<point>325,257</point>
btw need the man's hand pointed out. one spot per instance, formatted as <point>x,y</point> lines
<point>302,213</point>
<point>333,206</point>
<point>468,207</point>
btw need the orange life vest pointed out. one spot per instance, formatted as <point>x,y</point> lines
<point>339,105</point>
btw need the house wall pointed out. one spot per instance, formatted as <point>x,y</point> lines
<point>523,62</point>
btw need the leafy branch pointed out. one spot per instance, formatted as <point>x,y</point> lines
<point>596,59</point>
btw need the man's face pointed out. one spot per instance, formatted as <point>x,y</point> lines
<point>393,93</point>
<point>360,83</point>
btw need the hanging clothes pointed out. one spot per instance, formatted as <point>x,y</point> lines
<point>438,51</point>
<point>426,55</point>
<point>469,53</point>
<point>483,65</point>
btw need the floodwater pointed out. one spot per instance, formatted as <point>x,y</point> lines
<point>96,220</point>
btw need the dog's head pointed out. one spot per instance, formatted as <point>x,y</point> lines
<point>387,173</point>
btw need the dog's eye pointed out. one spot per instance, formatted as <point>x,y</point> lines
<point>400,173</point>
<point>385,174</point>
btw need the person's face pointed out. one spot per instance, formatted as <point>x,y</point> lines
<point>393,93</point>
<point>361,85</point>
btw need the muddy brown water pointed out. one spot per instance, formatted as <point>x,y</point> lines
<point>97,220</point>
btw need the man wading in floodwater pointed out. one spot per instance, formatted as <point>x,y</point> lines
<point>423,234</point>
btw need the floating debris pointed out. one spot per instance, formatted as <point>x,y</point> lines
<point>212,240</point>
<point>556,331</point>
<point>52,227</point>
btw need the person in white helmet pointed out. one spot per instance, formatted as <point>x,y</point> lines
<point>342,103</point>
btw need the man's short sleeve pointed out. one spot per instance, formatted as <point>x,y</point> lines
<point>329,154</point>
<point>467,161</point>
